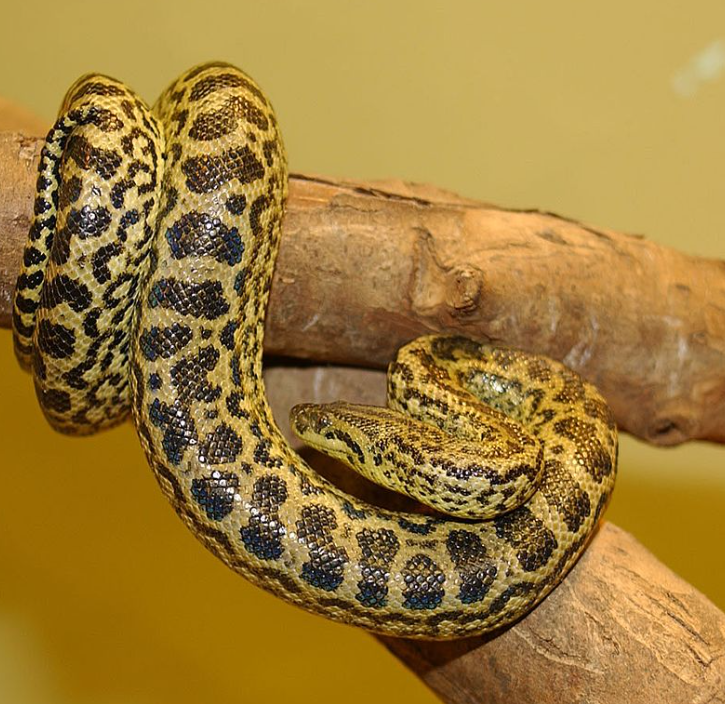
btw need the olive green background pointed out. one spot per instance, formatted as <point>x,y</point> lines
<point>613,115</point>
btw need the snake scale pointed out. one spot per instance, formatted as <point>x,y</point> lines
<point>144,286</point>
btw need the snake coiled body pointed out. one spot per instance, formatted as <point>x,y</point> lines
<point>144,287</point>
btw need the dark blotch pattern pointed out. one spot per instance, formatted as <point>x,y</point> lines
<point>57,400</point>
<point>220,446</point>
<point>378,549</point>
<point>217,123</point>
<point>215,494</point>
<point>476,570</point>
<point>200,235</point>
<point>201,300</point>
<point>236,204</point>
<point>100,260</point>
<point>165,342</point>
<point>190,376</point>
<point>178,426</point>
<point>531,539</point>
<point>210,84</point>
<point>589,451</point>
<point>327,561</point>
<point>56,340</point>
<point>419,528</point>
<point>424,582</point>
<point>205,174</point>
<point>564,495</point>
<point>262,536</point>
<point>63,289</point>
<point>103,161</point>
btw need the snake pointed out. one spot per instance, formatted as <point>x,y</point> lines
<point>143,290</point>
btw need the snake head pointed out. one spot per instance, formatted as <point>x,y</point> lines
<point>309,419</point>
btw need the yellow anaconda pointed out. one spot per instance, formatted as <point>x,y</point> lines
<point>144,286</point>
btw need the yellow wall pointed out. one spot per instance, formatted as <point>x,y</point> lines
<point>612,114</point>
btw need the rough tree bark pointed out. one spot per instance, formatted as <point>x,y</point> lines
<point>365,267</point>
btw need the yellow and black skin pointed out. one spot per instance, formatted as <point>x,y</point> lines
<point>144,287</point>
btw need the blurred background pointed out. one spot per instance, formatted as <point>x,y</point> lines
<point>611,114</point>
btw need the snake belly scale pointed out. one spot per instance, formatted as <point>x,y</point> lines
<point>144,287</point>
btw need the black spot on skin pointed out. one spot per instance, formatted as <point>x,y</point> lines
<point>346,438</point>
<point>262,454</point>
<point>378,549</point>
<point>32,257</point>
<point>120,293</point>
<point>262,536</point>
<point>597,408</point>
<point>538,369</point>
<point>259,205</point>
<point>419,528</point>
<point>215,494</point>
<point>476,570</point>
<point>103,118</point>
<point>227,334</point>
<point>100,260</point>
<point>178,426</point>
<point>210,84</point>
<point>201,300</point>
<point>220,446</point>
<point>190,376</point>
<point>200,235</point>
<point>456,347</point>
<point>270,149</point>
<point>63,289</point>
<point>217,123</point>
<point>88,222</point>
<point>128,111</point>
<point>164,342</point>
<point>96,88</point>
<point>180,117</point>
<point>41,205</point>
<point>26,281</point>
<point>357,514</point>
<point>234,404</point>
<point>69,191</point>
<point>589,450</point>
<point>515,590</point>
<point>129,218</point>
<point>572,390</point>
<point>564,495</point>
<point>205,174</point>
<point>532,540</point>
<point>171,197</point>
<point>236,204</point>
<point>57,341</point>
<point>325,568</point>
<point>103,161</point>
<point>57,400</point>
<point>424,582</point>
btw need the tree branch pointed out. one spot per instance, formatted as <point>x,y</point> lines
<point>364,267</point>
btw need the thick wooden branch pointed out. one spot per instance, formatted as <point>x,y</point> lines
<point>365,267</point>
